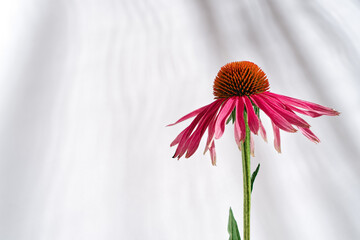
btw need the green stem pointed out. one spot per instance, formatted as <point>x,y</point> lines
<point>245,150</point>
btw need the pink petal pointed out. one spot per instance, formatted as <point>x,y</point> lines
<point>212,128</point>
<point>309,134</point>
<point>193,144</point>
<point>239,122</point>
<point>183,137</point>
<point>222,117</point>
<point>305,112</point>
<point>237,134</point>
<point>211,133</point>
<point>262,131</point>
<point>194,140</point>
<point>213,154</point>
<point>276,137</point>
<point>178,138</point>
<point>253,120</point>
<point>280,121</point>
<point>310,113</point>
<point>289,115</point>
<point>304,104</point>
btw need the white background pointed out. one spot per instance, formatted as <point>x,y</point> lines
<point>87,88</point>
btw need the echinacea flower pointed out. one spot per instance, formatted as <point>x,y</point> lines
<point>241,87</point>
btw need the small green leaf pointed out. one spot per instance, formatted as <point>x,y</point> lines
<point>233,228</point>
<point>253,176</point>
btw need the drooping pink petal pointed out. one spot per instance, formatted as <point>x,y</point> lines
<point>211,133</point>
<point>253,120</point>
<point>262,131</point>
<point>224,113</point>
<point>193,144</point>
<point>279,120</point>
<point>290,116</point>
<point>310,113</point>
<point>187,116</point>
<point>277,143</point>
<point>213,154</point>
<point>239,122</point>
<point>178,138</point>
<point>194,140</point>
<point>237,134</point>
<point>182,147</point>
<point>304,104</point>
<point>309,134</point>
<point>218,120</point>
<point>283,104</point>
<point>181,140</point>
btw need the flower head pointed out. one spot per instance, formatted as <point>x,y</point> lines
<point>240,90</point>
